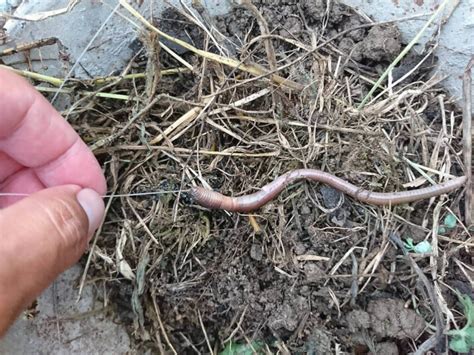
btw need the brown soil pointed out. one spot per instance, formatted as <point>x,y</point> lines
<point>314,270</point>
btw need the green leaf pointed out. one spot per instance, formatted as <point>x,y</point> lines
<point>470,335</point>
<point>242,348</point>
<point>462,340</point>
<point>459,345</point>
<point>409,244</point>
<point>423,247</point>
<point>420,248</point>
<point>450,221</point>
<point>468,309</point>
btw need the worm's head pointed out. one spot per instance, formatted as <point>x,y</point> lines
<point>206,198</point>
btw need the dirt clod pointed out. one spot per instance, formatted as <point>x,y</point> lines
<point>313,272</point>
<point>256,252</point>
<point>386,318</point>
<point>390,318</point>
<point>288,315</point>
<point>358,320</point>
<point>382,43</point>
<point>319,342</point>
<point>315,9</point>
<point>385,348</point>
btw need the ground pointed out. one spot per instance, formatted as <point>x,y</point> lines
<point>313,271</point>
<point>59,324</point>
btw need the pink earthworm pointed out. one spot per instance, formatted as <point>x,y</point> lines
<point>247,203</point>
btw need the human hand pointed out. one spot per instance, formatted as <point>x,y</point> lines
<point>47,232</point>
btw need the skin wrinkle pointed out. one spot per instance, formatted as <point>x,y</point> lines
<point>5,181</point>
<point>62,225</point>
<point>39,127</point>
<point>17,179</point>
<point>68,214</point>
<point>55,162</point>
<point>11,165</point>
<point>8,180</point>
<point>62,218</point>
<point>22,298</point>
<point>9,132</point>
<point>59,172</point>
<point>17,131</point>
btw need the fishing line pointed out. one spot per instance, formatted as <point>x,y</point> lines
<point>135,194</point>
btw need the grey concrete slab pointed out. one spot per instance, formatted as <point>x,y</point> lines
<point>110,51</point>
<point>65,326</point>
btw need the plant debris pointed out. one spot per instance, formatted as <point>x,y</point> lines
<point>188,280</point>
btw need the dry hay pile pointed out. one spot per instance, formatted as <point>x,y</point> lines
<point>313,271</point>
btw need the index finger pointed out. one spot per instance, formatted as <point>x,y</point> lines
<point>35,135</point>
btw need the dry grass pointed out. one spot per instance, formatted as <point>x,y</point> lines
<point>234,127</point>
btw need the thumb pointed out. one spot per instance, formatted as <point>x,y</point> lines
<point>40,237</point>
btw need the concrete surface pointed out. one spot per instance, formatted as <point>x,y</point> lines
<point>64,326</point>
<point>76,28</point>
<point>62,329</point>
<point>111,50</point>
<point>456,40</point>
<point>8,5</point>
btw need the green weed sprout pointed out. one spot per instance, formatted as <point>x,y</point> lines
<point>420,248</point>
<point>234,348</point>
<point>462,340</point>
<point>448,223</point>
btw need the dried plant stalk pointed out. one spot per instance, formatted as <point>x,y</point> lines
<point>467,141</point>
<point>251,69</point>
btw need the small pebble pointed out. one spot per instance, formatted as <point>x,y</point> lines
<point>305,290</point>
<point>299,249</point>
<point>256,252</point>
<point>330,196</point>
<point>305,209</point>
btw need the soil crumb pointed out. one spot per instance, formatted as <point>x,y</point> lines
<point>382,43</point>
<point>385,348</point>
<point>387,318</point>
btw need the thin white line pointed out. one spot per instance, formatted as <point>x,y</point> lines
<point>144,193</point>
<point>19,194</point>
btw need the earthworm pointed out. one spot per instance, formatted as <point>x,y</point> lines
<point>247,203</point>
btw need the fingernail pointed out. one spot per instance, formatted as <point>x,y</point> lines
<point>94,207</point>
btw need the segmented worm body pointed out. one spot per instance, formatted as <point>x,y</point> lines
<point>215,200</point>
